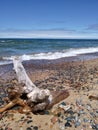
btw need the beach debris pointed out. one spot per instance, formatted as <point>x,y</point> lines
<point>28,95</point>
<point>93,97</point>
<point>65,108</point>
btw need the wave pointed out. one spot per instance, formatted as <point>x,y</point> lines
<point>54,55</point>
<point>5,62</point>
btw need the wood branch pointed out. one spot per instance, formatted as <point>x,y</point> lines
<point>36,99</point>
<point>57,97</point>
<point>33,93</point>
<point>93,97</point>
<point>14,102</point>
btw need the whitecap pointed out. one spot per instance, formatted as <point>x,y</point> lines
<point>54,55</point>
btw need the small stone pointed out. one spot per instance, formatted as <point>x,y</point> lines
<point>46,123</point>
<point>63,103</point>
<point>70,112</point>
<point>59,114</point>
<point>67,124</point>
<point>1,102</point>
<point>29,121</point>
<point>29,117</point>
<point>65,108</point>
<point>35,128</point>
<point>88,107</point>
<point>96,113</point>
<point>81,112</point>
<point>29,128</point>
<point>46,112</point>
<point>22,117</point>
<point>85,120</point>
<point>77,123</point>
<point>62,127</point>
<point>54,119</point>
<point>92,114</point>
<point>51,126</point>
<point>1,129</point>
<point>69,119</point>
<point>95,126</point>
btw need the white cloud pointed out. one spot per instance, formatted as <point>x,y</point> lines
<point>46,33</point>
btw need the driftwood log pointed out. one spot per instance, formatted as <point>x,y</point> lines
<point>28,96</point>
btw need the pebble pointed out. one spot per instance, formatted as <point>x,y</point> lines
<point>81,112</point>
<point>77,123</point>
<point>22,117</point>
<point>29,128</point>
<point>95,127</point>
<point>46,112</point>
<point>29,121</point>
<point>85,120</point>
<point>59,114</point>
<point>92,114</point>
<point>54,119</point>
<point>67,124</point>
<point>63,103</point>
<point>1,102</point>
<point>69,119</point>
<point>70,112</point>
<point>88,107</point>
<point>35,128</point>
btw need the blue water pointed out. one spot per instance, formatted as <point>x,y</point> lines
<point>45,48</point>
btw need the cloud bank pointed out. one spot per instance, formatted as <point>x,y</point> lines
<point>49,33</point>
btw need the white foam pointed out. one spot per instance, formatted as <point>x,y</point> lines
<point>2,41</point>
<point>56,55</point>
<point>5,62</point>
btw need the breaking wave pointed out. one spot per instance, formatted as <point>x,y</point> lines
<point>51,55</point>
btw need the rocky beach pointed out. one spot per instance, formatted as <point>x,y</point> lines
<point>78,111</point>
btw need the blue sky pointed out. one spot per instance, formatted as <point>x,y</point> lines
<point>49,18</point>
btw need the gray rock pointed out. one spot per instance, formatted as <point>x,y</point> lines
<point>35,128</point>
<point>29,128</point>
<point>95,126</point>
<point>85,120</point>
<point>77,123</point>
<point>69,119</point>
<point>67,124</point>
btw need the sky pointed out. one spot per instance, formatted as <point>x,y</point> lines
<point>49,19</point>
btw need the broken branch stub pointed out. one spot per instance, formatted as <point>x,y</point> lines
<point>22,76</point>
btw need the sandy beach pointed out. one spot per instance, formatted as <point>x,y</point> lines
<point>79,77</point>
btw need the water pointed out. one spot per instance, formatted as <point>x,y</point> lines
<point>44,48</point>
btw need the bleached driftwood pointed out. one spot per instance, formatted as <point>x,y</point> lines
<point>33,93</point>
<point>37,99</point>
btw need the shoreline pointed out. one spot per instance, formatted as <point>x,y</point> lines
<point>32,65</point>
<point>84,56</point>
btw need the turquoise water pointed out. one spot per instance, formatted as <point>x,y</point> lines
<point>45,48</point>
